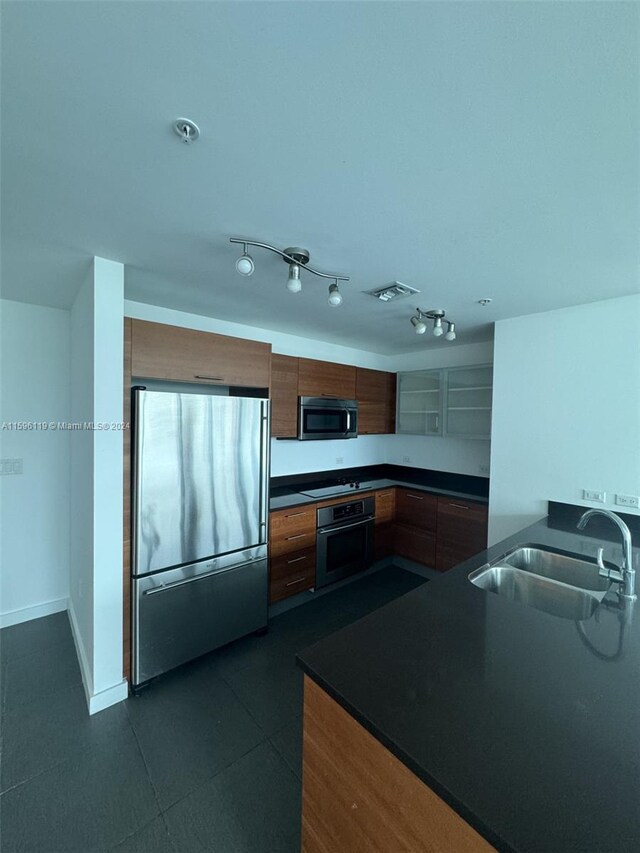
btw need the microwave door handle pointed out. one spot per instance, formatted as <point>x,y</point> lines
<point>348,421</point>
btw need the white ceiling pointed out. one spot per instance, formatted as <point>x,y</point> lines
<point>466,149</point>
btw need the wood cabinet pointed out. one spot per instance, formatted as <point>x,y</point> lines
<point>326,379</point>
<point>187,355</point>
<point>292,550</point>
<point>416,509</point>
<point>284,396</point>
<point>357,796</point>
<point>291,573</point>
<point>376,396</point>
<point>385,510</point>
<point>462,531</point>
<point>415,544</point>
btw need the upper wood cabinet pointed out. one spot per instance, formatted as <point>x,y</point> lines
<point>326,379</point>
<point>172,352</point>
<point>284,396</point>
<point>376,396</point>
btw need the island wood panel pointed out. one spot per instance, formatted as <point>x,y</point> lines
<point>160,351</point>
<point>417,509</point>
<point>357,797</point>
<point>284,396</point>
<point>126,506</point>
<point>462,531</point>
<point>326,379</point>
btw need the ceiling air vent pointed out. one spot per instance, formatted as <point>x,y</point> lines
<point>393,291</point>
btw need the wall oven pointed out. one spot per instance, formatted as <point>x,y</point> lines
<point>327,417</point>
<point>344,540</point>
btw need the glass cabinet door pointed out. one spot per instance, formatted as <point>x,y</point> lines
<point>468,401</point>
<point>419,406</point>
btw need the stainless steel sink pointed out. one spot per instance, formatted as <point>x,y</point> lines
<point>556,583</point>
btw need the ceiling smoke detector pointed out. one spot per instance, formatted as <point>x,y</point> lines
<point>392,292</point>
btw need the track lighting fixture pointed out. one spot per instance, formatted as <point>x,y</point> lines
<point>335,297</point>
<point>297,259</point>
<point>437,315</point>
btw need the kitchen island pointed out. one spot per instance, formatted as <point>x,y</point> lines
<point>491,724</point>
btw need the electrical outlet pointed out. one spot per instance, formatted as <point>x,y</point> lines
<point>483,469</point>
<point>628,500</point>
<point>339,460</point>
<point>406,460</point>
<point>592,495</point>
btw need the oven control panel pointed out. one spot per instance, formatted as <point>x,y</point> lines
<point>351,511</point>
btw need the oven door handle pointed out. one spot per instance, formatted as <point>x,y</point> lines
<point>345,526</point>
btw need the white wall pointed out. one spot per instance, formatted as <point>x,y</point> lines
<point>96,483</point>
<point>566,410</point>
<point>34,550</point>
<point>292,457</point>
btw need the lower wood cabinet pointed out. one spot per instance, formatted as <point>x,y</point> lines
<point>415,544</point>
<point>291,573</point>
<point>384,541</point>
<point>416,509</point>
<point>462,531</point>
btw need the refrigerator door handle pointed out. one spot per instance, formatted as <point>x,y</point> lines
<point>169,586</point>
<point>264,468</point>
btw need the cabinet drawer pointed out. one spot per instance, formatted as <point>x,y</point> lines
<point>415,544</point>
<point>417,509</point>
<point>159,351</point>
<point>385,506</point>
<point>291,542</point>
<point>291,574</point>
<point>298,519</point>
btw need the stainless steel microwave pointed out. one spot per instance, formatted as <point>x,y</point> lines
<point>327,417</point>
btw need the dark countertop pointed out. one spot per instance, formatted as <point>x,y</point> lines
<point>284,498</point>
<point>527,724</point>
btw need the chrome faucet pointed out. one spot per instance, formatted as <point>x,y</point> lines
<point>625,575</point>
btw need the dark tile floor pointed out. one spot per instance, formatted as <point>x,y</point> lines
<point>207,758</point>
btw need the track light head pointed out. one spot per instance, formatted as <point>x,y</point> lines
<point>335,297</point>
<point>451,331</point>
<point>244,264</point>
<point>294,285</point>
<point>419,326</point>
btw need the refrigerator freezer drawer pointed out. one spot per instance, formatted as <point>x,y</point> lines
<point>186,612</point>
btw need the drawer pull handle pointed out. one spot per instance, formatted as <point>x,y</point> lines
<point>460,506</point>
<point>297,559</point>
<point>297,580</point>
<point>212,378</point>
<point>385,495</point>
<point>295,514</point>
<point>298,536</point>
<point>415,497</point>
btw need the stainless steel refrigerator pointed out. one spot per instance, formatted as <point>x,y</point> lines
<point>200,503</point>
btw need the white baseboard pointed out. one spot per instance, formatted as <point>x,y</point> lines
<point>36,611</point>
<point>105,698</point>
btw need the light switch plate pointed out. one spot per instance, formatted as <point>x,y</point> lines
<point>595,496</point>
<point>10,466</point>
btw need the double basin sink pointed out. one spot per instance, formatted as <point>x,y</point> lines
<point>551,581</point>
